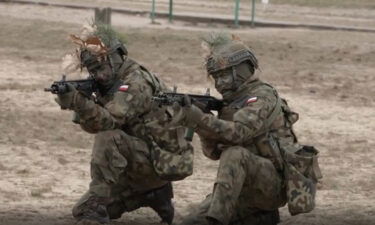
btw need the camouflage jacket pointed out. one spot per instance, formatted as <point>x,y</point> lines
<point>244,117</point>
<point>254,118</point>
<point>128,106</point>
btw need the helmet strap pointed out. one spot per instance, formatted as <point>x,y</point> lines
<point>111,63</point>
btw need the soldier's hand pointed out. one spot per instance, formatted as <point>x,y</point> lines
<point>187,115</point>
<point>66,100</point>
<point>193,116</point>
<point>201,106</point>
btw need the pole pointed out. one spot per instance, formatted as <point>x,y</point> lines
<point>170,11</point>
<point>253,14</point>
<point>153,12</point>
<point>103,15</point>
<point>236,13</point>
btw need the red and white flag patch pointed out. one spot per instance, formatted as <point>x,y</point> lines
<point>123,88</point>
<point>251,100</point>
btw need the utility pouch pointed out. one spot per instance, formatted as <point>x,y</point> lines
<point>301,173</point>
<point>268,147</point>
<point>173,166</point>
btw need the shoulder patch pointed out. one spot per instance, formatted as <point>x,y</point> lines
<point>251,100</point>
<point>123,88</point>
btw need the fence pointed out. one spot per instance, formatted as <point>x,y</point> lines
<point>252,12</point>
<point>236,11</point>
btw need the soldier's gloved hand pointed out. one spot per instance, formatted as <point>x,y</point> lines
<point>66,100</point>
<point>201,106</point>
<point>187,115</point>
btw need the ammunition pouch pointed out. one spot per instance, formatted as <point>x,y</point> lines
<point>173,166</point>
<point>301,171</point>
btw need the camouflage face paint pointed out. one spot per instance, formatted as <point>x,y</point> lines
<point>103,74</point>
<point>224,81</point>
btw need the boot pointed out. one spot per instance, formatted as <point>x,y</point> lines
<point>160,200</point>
<point>213,221</point>
<point>260,217</point>
<point>269,217</point>
<point>93,211</point>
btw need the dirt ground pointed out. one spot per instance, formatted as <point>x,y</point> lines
<point>327,76</point>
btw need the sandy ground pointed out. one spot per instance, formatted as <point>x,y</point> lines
<point>328,77</point>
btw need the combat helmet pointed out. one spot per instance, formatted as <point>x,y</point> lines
<point>97,43</point>
<point>106,46</point>
<point>226,52</point>
<point>230,55</point>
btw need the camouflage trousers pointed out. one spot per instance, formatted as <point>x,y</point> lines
<point>246,185</point>
<point>121,170</point>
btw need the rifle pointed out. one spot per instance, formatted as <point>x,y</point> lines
<point>205,102</point>
<point>85,86</point>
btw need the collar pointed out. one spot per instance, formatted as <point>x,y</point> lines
<point>127,67</point>
<point>243,89</point>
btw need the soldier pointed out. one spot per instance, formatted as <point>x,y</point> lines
<point>262,167</point>
<point>134,157</point>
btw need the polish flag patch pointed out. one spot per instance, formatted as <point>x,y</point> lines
<point>123,88</point>
<point>251,100</point>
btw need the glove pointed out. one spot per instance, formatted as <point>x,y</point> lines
<point>187,115</point>
<point>66,100</point>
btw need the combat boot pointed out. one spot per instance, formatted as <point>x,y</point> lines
<point>213,221</point>
<point>262,217</point>
<point>269,217</point>
<point>160,200</point>
<point>93,211</point>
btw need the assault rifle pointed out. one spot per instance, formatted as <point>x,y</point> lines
<point>205,102</point>
<point>85,86</point>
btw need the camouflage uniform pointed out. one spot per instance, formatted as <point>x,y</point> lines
<point>121,165</point>
<point>248,136</point>
<point>130,143</point>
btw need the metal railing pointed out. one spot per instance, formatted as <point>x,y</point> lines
<point>236,12</point>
